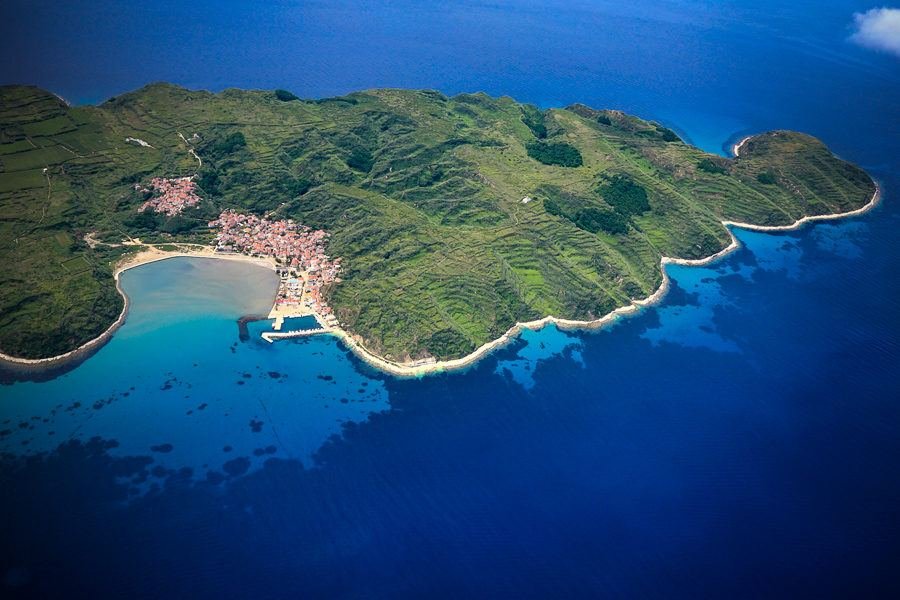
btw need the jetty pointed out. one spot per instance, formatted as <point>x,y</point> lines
<point>324,326</point>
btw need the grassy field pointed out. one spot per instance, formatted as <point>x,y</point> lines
<point>423,195</point>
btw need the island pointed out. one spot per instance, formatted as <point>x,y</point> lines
<point>425,230</point>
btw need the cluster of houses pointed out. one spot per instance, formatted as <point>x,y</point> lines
<point>171,196</point>
<point>300,251</point>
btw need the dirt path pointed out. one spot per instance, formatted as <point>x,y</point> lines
<point>49,190</point>
<point>191,150</point>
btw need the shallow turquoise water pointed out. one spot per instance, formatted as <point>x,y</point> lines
<point>177,375</point>
<point>738,440</point>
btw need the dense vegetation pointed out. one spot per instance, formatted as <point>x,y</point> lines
<point>534,119</point>
<point>624,195</point>
<point>766,177</point>
<point>218,149</point>
<point>712,165</point>
<point>668,135</point>
<point>584,213</point>
<point>285,96</point>
<point>560,153</point>
<point>422,194</point>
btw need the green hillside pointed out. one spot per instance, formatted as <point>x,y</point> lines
<point>422,194</point>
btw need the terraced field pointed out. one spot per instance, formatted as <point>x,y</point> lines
<point>455,217</point>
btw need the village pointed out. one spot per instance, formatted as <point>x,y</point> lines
<point>171,196</point>
<point>303,267</point>
<point>299,251</point>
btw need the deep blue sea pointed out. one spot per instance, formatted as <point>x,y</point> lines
<point>741,439</point>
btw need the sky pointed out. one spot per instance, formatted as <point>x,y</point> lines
<point>879,29</point>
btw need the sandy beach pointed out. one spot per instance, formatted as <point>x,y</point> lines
<point>426,366</point>
<point>149,255</point>
<point>153,254</point>
<point>736,149</point>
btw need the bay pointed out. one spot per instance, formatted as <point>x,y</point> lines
<point>739,439</point>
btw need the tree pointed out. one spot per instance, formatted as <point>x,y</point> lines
<point>228,145</point>
<point>209,181</point>
<point>594,220</point>
<point>559,154</point>
<point>626,196</point>
<point>177,224</point>
<point>361,160</point>
<point>285,96</point>
<point>766,177</point>
<point>534,119</point>
<point>668,135</point>
<point>144,220</point>
<point>711,166</point>
<point>552,207</point>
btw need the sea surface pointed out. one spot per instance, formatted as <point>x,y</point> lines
<point>740,439</point>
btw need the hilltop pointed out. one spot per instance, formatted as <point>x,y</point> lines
<point>454,217</point>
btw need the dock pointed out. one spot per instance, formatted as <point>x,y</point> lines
<point>325,325</point>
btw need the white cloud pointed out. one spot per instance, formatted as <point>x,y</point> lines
<point>878,29</point>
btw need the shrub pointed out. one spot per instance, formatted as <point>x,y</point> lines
<point>553,207</point>
<point>144,220</point>
<point>177,224</point>
<point>209,181</point>
<point>711,166</point>
<point>604,120</point>
<point>594,220</point>
<point>285,96</point>
<point>240,177</point>
<point>361,160</point>
<point>766,177</point>
<point>226,146</point>
<point>559,154</point>
<point>588,218</point>
<point>668,135</point>
<point>297,186</point>
<point>626,196</point>
<point>429,176</point>
<point>337,100</point>
<point>534,119</point>
<point>448,342</point>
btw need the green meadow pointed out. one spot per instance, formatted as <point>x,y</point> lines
<point>455,217</point>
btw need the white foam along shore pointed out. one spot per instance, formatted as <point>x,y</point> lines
<point>736,149</point>
<point>425,367</point>
<point>129,262</point>
<point>431,366</point>
<point>416,369</point>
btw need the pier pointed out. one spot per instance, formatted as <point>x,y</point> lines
<point>324,326</point>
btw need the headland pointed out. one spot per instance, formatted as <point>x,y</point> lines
<point>423,230</point>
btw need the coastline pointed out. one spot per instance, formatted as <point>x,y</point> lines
<point>82,351</point>
<point>421,368</point>
<point>426,366</point>
<point>150,255</point>
<point>736,149</point>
